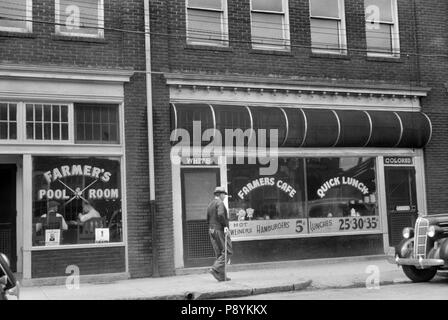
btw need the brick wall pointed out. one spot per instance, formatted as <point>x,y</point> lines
<point>433,44</point>
<point>118,50</point>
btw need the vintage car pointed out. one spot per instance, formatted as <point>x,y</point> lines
<point>8,284</point>
<point>424,249</point>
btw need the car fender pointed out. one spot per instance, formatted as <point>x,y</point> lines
<point>405,247</point>
<point>444,249</point>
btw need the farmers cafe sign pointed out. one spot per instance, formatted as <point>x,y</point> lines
<point>263,228</point>
<point>93,183</point>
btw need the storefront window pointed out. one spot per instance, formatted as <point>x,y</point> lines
<point>76,201</point>
<point>341,194</point>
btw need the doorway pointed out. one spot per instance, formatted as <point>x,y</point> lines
<point>8,213</point>
<point>198,185</point>
<point>401,198</point>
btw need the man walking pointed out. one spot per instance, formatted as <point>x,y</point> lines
<point>219,229</point>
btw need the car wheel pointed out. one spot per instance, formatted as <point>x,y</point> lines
<point>419,275</point>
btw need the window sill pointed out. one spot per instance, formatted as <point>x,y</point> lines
<point>204,47</point>
<point>384,59</point>
<point>61,37</point>
<point>78,246</point>
<point>329,55</point>
<point>271,52</point>
<point>16,34</point>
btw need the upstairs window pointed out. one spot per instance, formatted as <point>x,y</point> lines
<point>270,24</point>
<point>382,34</point>
<point>16,16</point>
<point>8,121</point>
<point>207,22</point>
<point>47,122</point>
<point>327,21</point>
<point>81,18</point>
<point>96,124</point>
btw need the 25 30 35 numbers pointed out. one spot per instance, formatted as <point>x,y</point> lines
<point>358,223</point>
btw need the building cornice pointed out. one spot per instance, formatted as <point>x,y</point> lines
<point>59,73</point>
<point>294,86</point>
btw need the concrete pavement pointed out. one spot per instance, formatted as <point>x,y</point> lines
<point>253,280</point>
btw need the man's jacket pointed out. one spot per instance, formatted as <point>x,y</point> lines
<point>217,215</point>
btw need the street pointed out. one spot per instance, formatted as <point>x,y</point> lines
<point>435,290</point>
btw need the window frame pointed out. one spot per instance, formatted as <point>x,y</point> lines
<point>8,121</point>
<point>395,33</point>
<point>343,50</point>
<point>224,26</point>
<point>58,24</point>
<point>285,27</point>
<point>28,17</point>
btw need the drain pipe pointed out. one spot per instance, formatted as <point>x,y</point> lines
<point>152,184</point>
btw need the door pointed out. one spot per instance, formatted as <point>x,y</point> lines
<point>8,213</point>
<point>198,186</point>
<point>401,197</point>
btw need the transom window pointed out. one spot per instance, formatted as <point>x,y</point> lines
<point>46,122</point>
<point>327,21</point>
<point>382,34</point>
<point>16,16</point>
<point>270,24</point>
<point>207,22</point>
<point>96,123</point>
<point>8,121</point>
<point>83,18</point>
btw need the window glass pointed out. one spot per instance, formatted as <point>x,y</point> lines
<point>325,8</point>
<point>210,4</point>
<point>267,29</point>
<point>13,14</point>
<point>325,34</point>
<point>96,123</point>
<point>206,22</point>
<point>379,10</point>
<point>255,197</point>
<point>46,122</point>
<point>341,187</point>
<point>380,38</point>
<point>80,17</point>
<point>76,200</point>
<point>267,5</point>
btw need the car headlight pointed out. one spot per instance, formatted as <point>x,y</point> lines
<point>432,231</point>
<point>408,233</point>
<point>6,259</point>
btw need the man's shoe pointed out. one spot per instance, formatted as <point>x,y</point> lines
<point>215,275</point>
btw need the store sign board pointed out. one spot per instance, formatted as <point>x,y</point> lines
<point>199,161</point>
<point>262,228</point>
<point>344,224</point>
<point>397,161</point>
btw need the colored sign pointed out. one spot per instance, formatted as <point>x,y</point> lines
<point>52,237</point>
<point>394,161</point>
<point>262,228</point>
<point>344,224</point>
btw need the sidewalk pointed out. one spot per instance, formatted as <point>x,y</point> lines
<point>300,275</point>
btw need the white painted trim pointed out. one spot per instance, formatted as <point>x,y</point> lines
<point>124,197</point>
<point>382,201</point>
<point>78,246</point>
<point>20,214</point>
<point>307,235</point>
<point>100,26</point>
<point>27,213</point>
<point>28,23</point>
<point>66,149</point>
<point>177,216</point>
<point>420,182</point>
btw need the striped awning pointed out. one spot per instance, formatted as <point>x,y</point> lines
<point>311,128</point>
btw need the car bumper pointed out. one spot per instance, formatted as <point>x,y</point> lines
<point>421,263</point>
